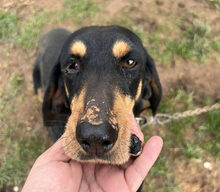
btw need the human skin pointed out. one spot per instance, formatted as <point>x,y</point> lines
<point>54,171</point>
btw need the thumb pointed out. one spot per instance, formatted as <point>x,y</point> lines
<point>54,153</point>
<point>138,170</point>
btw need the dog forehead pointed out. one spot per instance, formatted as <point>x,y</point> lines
<point>99,40</point>
<point>104,38</point>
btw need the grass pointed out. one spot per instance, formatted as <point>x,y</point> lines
<point>191,150</point>
<point>30,31</point>
<point>15,85</point>
<point>209,135</point>
<point>19,147</point>
<point>161,177</point>
<point>14,88</point>
<point>203,132</point>
<point>26,34</point>
<point>161,172</point>
<point>215,3</point>
<point>194,43</point>
<point>216,45</point>
<point>127,22</point>
<point>19,157</point>
<point>161,168</point>
<point>22,34</point>
<point>79,10</point>
<point>178,101</point>
<point>187,138</point>
<point>8,25</point>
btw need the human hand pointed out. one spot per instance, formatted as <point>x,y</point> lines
<point>54,171</point>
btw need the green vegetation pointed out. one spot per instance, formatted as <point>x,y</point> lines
<point>127,22</point>
<point>161,168</point>
<point>187,139</point>
<point>20,145</point>
<point>79,10</point>
<point>27,34</point>
<point>191,150</point>
<point>8,25</point>
<point>178,101</point>
<point>30,32</point>
<point>14,89</point>
<point>161,171</point>
<point>17,160</point>
<point>194,43</point>
<point>209,135</point>
<point>14,86</point>
<point>216,45</point>
<point>215,3</point>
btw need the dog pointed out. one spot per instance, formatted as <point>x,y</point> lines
<point>93,79</point>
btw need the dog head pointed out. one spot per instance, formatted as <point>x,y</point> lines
<point>105,71</point>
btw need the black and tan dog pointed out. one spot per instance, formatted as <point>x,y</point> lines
<point>93,80</point>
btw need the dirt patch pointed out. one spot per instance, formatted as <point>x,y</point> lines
<point>202,80</point>
<point>111,8</point>
<point>196,177</point>
<point>25,8</point>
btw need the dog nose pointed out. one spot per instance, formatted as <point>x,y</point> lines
<point>96,139</point>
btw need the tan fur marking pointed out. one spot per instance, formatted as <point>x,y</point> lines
<point>78,48</point>
<point>154,86</point>
<point>70,144</point>
<point>52,92</point>
<point>138,94</point>
<point>120,49</point>
<point>58,98</point>
<point>120,112</point>
<point>122,108</point>
<point>67,92</point>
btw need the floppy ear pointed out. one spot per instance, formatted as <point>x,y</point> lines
<point>54,102</point>
<point>152,89</point>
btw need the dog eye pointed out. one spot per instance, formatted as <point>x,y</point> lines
<point>73,67</point>
<point>129,63</point>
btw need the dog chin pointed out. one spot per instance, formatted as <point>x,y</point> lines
<point>108,158</point>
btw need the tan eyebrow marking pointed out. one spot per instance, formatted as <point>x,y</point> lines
<point>120,49</point>
<point>78,48</point>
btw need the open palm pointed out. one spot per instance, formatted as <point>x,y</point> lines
<point>54,171</point>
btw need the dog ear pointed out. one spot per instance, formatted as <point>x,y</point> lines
<point>55,100</point>
<point>152,89</point>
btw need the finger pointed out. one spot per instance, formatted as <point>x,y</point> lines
<point>77,175</point>
<point>54,153</point>
<point>137,171</point>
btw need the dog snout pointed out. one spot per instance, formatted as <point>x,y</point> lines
<point>96,139</point>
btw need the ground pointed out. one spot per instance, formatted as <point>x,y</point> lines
<point>182,37</point>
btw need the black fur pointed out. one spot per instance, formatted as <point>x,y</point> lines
<point>99,69</point>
